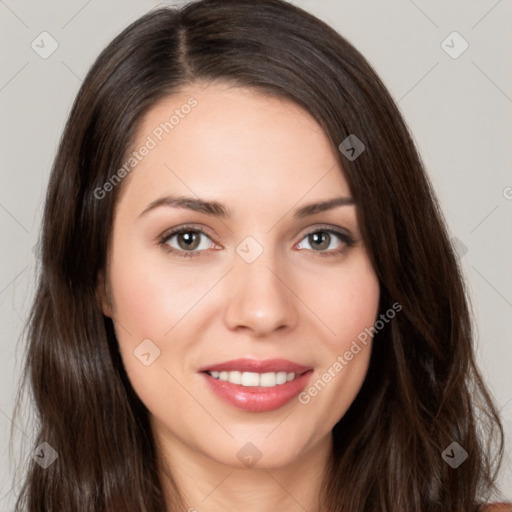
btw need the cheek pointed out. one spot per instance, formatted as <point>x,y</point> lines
<point>151,297</point>
<point>156,301</point>
<point>147,305</point>
<point>348,304</point>
<point>345,302</point>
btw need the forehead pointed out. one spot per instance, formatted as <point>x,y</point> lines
<point>235,144</point>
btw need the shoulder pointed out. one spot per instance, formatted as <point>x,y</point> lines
<point>497,507</point>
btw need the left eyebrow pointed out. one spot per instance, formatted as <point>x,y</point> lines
<point>311,209</point>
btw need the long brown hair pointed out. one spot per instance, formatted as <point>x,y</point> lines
<point>423,390</point>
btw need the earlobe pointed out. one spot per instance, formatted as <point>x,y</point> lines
<point>102,294</point>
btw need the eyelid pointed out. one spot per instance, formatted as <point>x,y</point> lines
<point>170,233</point>
<point>327,227</point>
<point>343,234</point>
<point>187,227</point>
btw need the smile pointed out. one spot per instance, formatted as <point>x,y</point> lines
<point>257,386</point>
<point>251,379</point>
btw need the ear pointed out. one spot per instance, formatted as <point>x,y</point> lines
<point>102,294</point>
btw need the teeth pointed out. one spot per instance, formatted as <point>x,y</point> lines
<point>250,379</point>
<point>280,377</point>
<point>268,379</point>
<point>234,377</point>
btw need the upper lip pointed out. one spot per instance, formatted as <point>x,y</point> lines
<point>258,366</point>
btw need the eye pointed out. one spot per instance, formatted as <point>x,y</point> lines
<point>186,241</point>
<point>327,242</point>
<point>189,241</point>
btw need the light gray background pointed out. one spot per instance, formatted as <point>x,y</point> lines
<point>458,110</point>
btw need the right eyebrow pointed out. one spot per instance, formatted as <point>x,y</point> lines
<point>198,205</point>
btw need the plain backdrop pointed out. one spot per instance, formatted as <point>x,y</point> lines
<point>457,102</point>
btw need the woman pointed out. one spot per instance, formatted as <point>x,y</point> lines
<point>248,297</point>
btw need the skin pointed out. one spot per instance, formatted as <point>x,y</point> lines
<point>262,158</point>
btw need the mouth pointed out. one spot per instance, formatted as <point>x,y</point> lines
<point>257,386</point>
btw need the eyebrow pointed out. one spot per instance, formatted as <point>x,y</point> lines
<point>216,209</point>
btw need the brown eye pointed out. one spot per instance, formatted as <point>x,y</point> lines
<point>319,240</point>
<point>326,242</point>
<point>188,240</point>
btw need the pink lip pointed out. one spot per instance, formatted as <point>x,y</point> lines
<point>258,398</point>
<point>253,365</point>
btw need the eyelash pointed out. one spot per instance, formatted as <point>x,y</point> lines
<point>346,239</point>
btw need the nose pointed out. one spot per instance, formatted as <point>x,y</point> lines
<point>261,299</point>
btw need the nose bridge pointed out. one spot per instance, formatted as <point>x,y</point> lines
<point>259,299</point>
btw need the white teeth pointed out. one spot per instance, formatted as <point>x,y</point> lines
<point>280,377</point>
<point>250,379</point>
<point>235,377</point>
<point>268,379</point>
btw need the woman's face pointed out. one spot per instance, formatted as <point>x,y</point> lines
<point>256,277</point>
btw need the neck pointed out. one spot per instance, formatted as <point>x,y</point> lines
<point>207,485</point>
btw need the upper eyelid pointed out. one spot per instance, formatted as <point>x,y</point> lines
<point>186,227</point>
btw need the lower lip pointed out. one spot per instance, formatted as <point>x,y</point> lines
<point>258,398</point>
